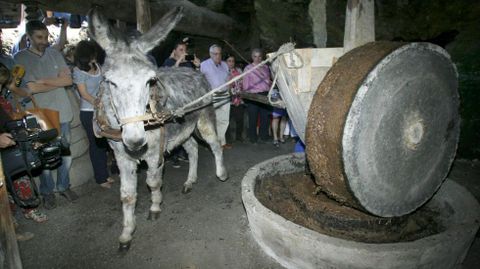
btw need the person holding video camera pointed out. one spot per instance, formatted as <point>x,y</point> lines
<point>21,186</point>
<point>46,75</point>
<point>180,58</point>
<point>6,139</point>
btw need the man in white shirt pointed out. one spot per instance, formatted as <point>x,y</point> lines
<point>216,72</point>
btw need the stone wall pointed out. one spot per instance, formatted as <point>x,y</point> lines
<point>81,170</point>
<point>283,21</point>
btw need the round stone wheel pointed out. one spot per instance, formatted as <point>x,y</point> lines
<point>383,126</point>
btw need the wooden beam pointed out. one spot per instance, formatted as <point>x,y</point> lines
<point>197,20</point>
<point>359,24</point>
<point>144,19</point>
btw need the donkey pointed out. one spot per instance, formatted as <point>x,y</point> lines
<point>129,82</point>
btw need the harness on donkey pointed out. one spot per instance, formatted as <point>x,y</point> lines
<point>156,115</point>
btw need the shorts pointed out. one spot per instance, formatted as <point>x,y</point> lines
<point>279,112</point>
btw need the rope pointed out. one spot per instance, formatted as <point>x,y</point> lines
<point>292,60</point>
<point>155,118</point>
<point>279,102</point>
<point>285,48</point>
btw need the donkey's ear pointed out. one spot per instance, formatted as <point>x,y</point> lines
<point>103,33</point>
<point>159,31</point>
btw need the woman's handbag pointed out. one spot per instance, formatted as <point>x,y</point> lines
<point>46,118</point>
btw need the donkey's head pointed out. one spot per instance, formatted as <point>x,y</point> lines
<point>127,70</point>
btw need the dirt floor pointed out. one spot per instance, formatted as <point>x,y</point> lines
<point>206,228</point>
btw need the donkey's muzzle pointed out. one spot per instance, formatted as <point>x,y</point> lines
<point>134,145</point>
<point>133,136</point>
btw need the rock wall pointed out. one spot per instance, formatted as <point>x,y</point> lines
<point>270,23</point>
<point>317,10</point>
<point>452,24</point>
<point>283,21</point>
<point>81,170</point>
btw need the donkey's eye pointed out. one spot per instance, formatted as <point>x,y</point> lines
<point>151,82</point>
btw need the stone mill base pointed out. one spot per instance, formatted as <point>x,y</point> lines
<point>295,246</point>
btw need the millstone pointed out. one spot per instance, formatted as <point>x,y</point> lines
<point>383,126</point>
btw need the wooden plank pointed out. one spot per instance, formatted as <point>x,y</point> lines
<point>315,64</point>
<point>257,98</point>
<point>197,20</point>
<point>8,240</point>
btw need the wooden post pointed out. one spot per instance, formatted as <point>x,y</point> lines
<point>359,24</point>
<point>8,240</point>
<point>144,19</point>
<point>121,25</point>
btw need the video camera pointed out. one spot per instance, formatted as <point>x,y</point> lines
<point>34,147</point>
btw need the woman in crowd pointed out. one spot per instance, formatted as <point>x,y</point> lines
<point>279,122</point>
<point>87,76</point>
<point>237,108</point>
<point>257,82</point>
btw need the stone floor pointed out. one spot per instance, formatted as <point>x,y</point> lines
<point>206,228</point>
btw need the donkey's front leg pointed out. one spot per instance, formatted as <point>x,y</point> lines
<point>154,181</point>
<point>191,147</point>
<point>128,195</point>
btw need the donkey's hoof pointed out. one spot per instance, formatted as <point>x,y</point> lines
<point>223,177</point>
<point>153,215</point>
<point>186,189</point>
<point>124,247</point>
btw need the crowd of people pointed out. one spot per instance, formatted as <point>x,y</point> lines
<point>49,75</point>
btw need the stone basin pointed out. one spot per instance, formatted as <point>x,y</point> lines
<point>295,246</point>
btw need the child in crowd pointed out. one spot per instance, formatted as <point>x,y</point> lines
<point>237,108</point>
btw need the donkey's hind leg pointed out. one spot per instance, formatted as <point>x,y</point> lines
<point>206,127</point>
<point>155,163</point>
<point>191,147</point>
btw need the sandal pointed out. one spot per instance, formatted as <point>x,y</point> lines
<point>275,143</point>
<point>35,215</point>
<point>106,185</point>
<point>110,180</point>
<point>21,237</point>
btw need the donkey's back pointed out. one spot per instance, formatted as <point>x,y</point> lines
<point>182,85</point>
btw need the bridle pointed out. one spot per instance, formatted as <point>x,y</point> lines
<point>152,118</point>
